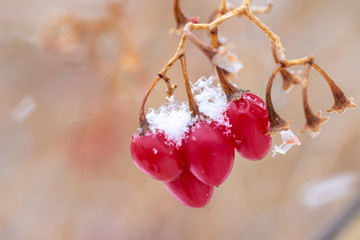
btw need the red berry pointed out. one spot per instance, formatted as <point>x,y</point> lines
<point>249,125</point>
<point>189,190</point>
<point>156,157</point>
<point>209,152</point>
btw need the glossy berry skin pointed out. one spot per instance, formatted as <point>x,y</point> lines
<point>209,152</point>
<point>189,190</point>
<point>154,156</point>
<point>249,125</point>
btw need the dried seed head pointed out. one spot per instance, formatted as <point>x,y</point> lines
<point>290,78</point>
<point>277,124</point>
<point>341,103</point>
<point>313,122</point>
<point>232,93</point>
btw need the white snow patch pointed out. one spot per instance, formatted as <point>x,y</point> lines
<point>289,139</point>
<point>211,99</point>
<point>172,118</point>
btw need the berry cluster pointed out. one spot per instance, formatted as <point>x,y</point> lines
<point>190,147</point>
<point>203,157</point>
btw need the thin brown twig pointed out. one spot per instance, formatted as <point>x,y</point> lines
<point>276,122</point>
<point>161,75</point>
<point>289,79</point>
<point>206,49</point>
<point>226,7</point>
<point>272,36</point>
<point>341,102</point>
<point>313,121</point>
<point>232,93</point>
<point>245,11</point>
<point>193,107</point>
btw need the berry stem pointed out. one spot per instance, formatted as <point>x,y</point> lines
<point>214,37</point>
<point>144,125</point>
<point>206,49</point>
<point>232,93</point>
<point>289,78</point>
<point>312,121</point>
<point>272,36</point>
<point>276,122</point>
<point>341,102</point>
<point>225,7</point>
<point>307,109</point>
<point>194,108</point>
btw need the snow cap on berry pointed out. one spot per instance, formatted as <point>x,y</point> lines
<point>211,99</point>
<point>172,118</point>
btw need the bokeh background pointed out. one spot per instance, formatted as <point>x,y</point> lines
<point>72,75</point>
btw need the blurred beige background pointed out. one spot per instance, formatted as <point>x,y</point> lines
<point>67,115</point>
